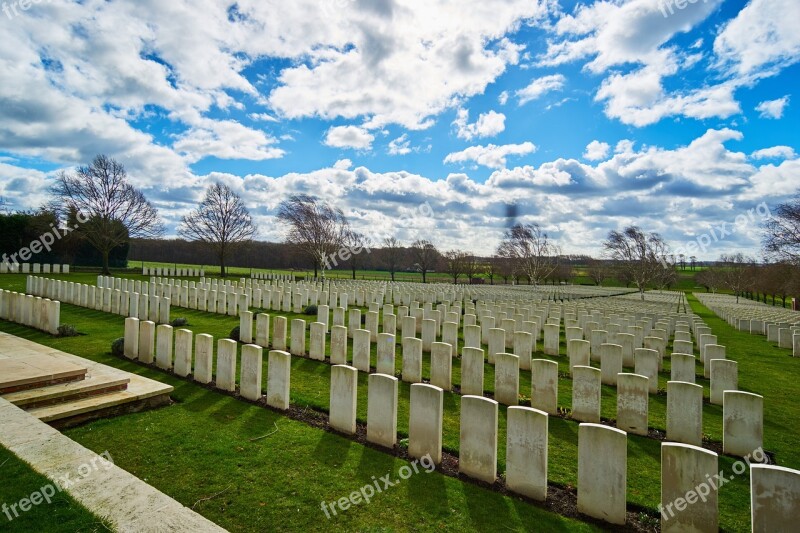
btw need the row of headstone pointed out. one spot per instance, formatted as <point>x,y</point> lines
<point>742,412</point>
<point>32,311</point>
<point>176,350</point>
<point>602,452</point>
<point>35,268</point>
<point>271,276</point>
<point>108,300</point>
<point>780,326</point>
<point>171,271</point>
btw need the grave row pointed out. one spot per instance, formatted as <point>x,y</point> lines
<point>602,451</point>
<point>742,412</point>
<point>108,300</point>
<point>35,268</point>
<point>35,312</point>
<point>171,271</point>
<point>780,326</point>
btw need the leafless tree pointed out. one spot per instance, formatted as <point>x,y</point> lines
<point>782,232</point>
<point>315,227</point>
<point>471,266</point>
<point>393,253</point>
<point>221,220</point>
<point>562,272</point>
<point>737,271</point>
<point>597,270</point>
<point>505,267</point>
<point>356,244</point>
<point>533,254</point>
<point>425,256</point>
<point>641,256</point>
<point>110,210</point>
<point>454,263</point>
<point>492,268</point>
<point>710,278</point>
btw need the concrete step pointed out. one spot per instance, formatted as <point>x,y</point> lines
<point>141,391</point>
<point>30,370</point>
<point>104,392</point>
<point>95,384</point>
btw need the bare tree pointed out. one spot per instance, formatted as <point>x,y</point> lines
<point>533,254</point>
<point>641,256</point>
<point>425,255</point>
<point>315,227</point>
<point>710,278</point>
<point>562,272</point>
<point>597,270</point>
<point>392,254</point>
<point>356,243</point>
<point>782,232</point>
<point>454,263</point>
<point>471,266</point>
<point>737,271</point>
<point>492,268</point>
<point>110,210</point>
<point>221,220</point>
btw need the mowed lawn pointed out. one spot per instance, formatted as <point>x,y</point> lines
<point>202,446</point>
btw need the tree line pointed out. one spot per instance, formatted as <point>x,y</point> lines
<point>99,216</point>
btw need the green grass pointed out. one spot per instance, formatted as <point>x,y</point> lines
<point>207,435</point>
<point>62,513</point>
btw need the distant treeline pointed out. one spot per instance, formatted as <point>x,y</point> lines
<point>255,254</point>
<point>39,237</point>
<point>271,255</point>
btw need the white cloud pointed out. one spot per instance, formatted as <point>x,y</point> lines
<point>400,145</point>
<point>343,164</point>
<point>539,87</point>
<point>502,98</point>
<point>225,139</point>
<point>393,63</point>
<point>349,137</point>
<point>762,39</point>
<point>487,125</point>
<point>774,152</point>
<point>596,151</point>
<point>772,108</point>
<point>635,35</point>
<point>262,117</point>
<point>491,156</point>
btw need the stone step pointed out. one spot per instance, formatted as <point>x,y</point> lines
<point>31,370</point>
<point>106,391</point>
<point>139,390</point>
<point>94,384</point>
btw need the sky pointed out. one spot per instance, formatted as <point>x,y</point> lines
<point>446,120</point>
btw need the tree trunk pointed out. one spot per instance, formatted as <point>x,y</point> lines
<point>423,276</point>
<point>354,272</point>
<point>106,270</point>
<point>392,272</point>
<point>222,265</point>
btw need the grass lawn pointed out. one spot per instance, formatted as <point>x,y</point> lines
<point>61,514</point>
<point>201,446</point>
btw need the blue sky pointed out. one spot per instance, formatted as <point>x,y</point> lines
<point>587,117</point>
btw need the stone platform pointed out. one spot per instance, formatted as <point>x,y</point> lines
<point>63,389</point>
